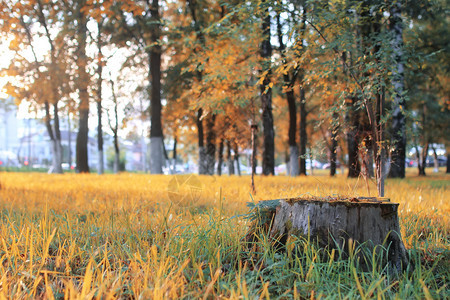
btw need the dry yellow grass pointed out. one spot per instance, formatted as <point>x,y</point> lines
<point>85,235</point>
<point>81,192</point>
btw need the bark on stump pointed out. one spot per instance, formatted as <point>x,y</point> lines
<point>333,222</point>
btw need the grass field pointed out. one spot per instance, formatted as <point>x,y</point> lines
<point>150,237</point>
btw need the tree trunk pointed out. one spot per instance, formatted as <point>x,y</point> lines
<point>59,153</point>
<point>422,160</point>
<point>287,161</point>
<point>55,138</point>
<point>156,134</point>
<point>351,119</point>
<point>201,144</point>
<point>254,129</point>
<point>156,155</point>
<point>293,160</point>
<point>210,145</point>
<point>82,85</point>
<point>100,163</point>
<point>421,168</point>
<point>115,130</point>
<point>82,141</point>
<point>448,163</point>
<point>292,163</point>
<point>436,161</point>
<point>397,168</point>
<point>69,158</point>
<point>379,149</point>
<point>368,157</point>
<point>236,159</point>
<point>230,159</point>
<point>116,166</point>
<point>334,144</point>
<point>303,135</point>
<point>174,156</point>
<point>202,161</point>
<point>268,163</point>
<point>354,167</point>
<point>54,156</point>
<point>220,154</point>
<point>370,162</point>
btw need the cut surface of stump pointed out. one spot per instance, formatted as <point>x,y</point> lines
<point>335,222</point>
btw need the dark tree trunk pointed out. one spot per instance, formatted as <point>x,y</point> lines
<point>202,164</point>
<point>448,163</point>
<point>82,85</point>
<point>370,162</point>
<point>156,134</point>
<point>82,141</point>
<point>379,151</point>
<point>211,145</point>
<point>54,133</point>
<point>293,148</point>
<point>422,160</point>
<point>351,121</point>
<point>303,134</point>
<point>220,157</point>
<point>398,155</point>
<point>268,163</point>
<point>363,47</point>
<point>334,143</point>
<point>254,151</point>
<point>101,164</point>
<point>421,168</point>
<point>69,158</point>
<point>354,167</point>
<point>435,158</point>
<point>59,151</point>
<point>115,130</point>
<point>367,157</point>
<point>174,156</point>
<point>201,143</point>
<point>292,162</point>
<point>254,128</point>
<point>230,159</point>
<point>236,158</point>
<point>50,132</point>
<point>116,166</point>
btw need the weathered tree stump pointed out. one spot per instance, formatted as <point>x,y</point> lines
<point>333,222</point>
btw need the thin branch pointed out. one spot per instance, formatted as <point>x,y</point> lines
<point>369,108</point>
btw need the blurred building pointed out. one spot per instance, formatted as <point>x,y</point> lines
<point>9,141</point>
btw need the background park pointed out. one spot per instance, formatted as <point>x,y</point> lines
<point>137,138</point>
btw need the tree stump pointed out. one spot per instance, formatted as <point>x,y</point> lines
<point>333,222</point>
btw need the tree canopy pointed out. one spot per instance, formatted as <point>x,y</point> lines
<point>352,82</point>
